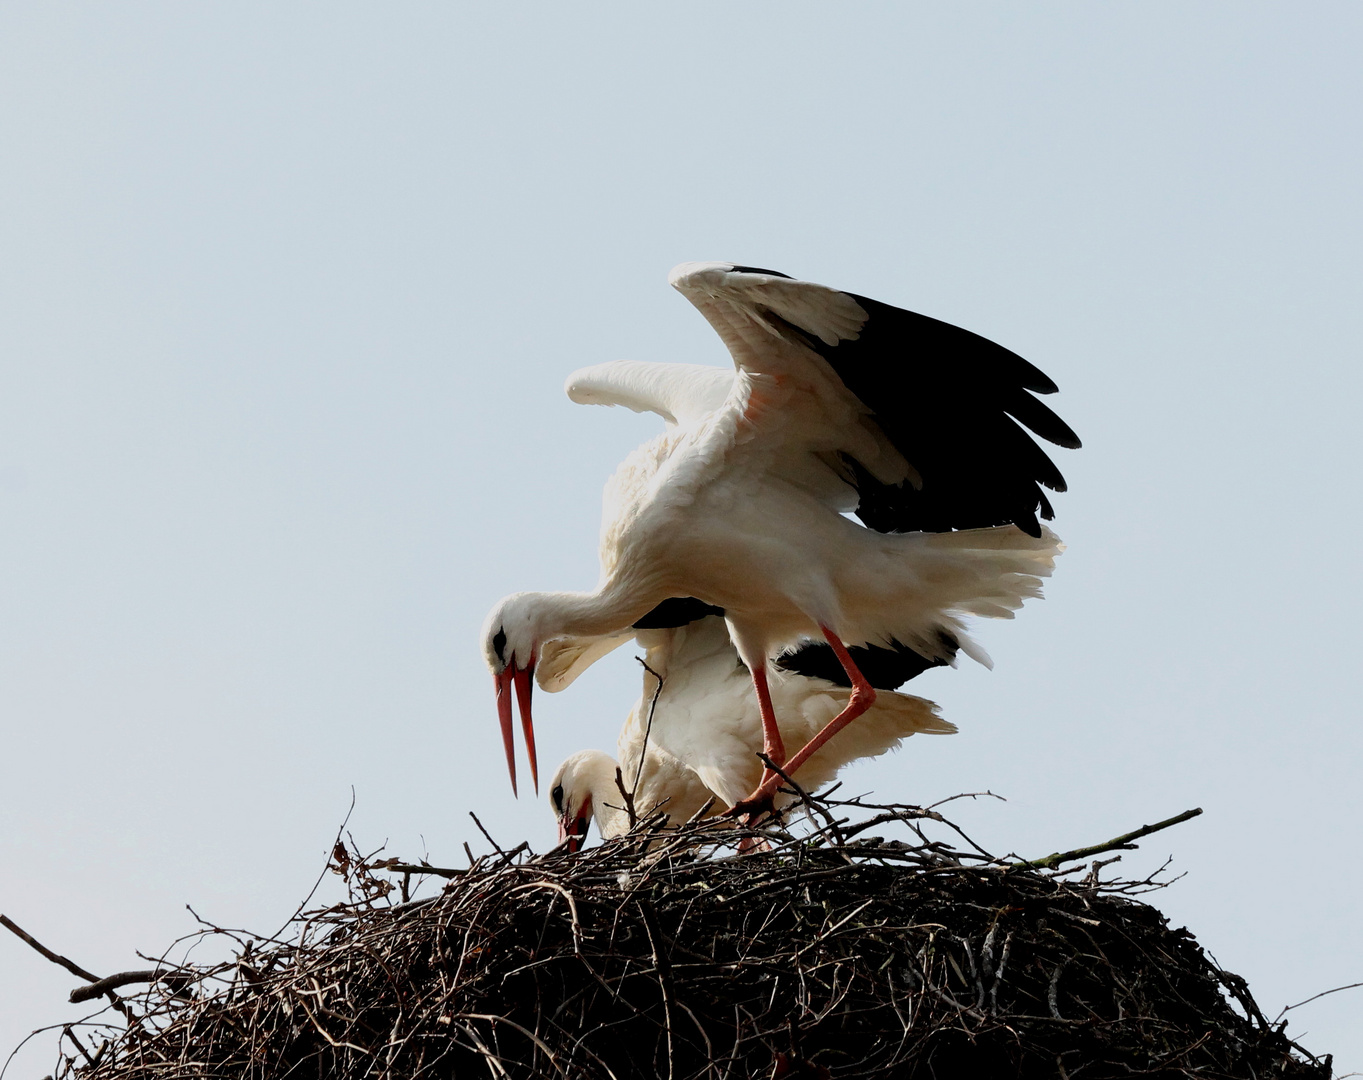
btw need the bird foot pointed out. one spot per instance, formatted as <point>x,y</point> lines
<point>756,806</point>
<point>750,845</point>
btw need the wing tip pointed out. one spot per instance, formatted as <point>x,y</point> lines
<point>686,275</point>
<point>690,274</point>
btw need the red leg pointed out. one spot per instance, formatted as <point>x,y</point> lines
<point>862,698</point>
<point>772,744</point>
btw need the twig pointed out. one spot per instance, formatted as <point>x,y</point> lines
<point>78,1045</point>
<point>70,966</point>
<point>831,826</point>
<point>433,871</point>
<point>627,797</point>
<point>648,728</point>
<point>487,834</point>
<point>124,978</point>
<point>326,868</point>
<point>664,970</point>
<point>966,795</point>
<point>1117,843</point>
<point>56,958</point>
<point>1313,997</point>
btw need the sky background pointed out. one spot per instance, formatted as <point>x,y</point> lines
<point>287,296</point>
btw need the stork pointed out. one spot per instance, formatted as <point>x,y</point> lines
<point>838,404</point>
<point>693,735</point>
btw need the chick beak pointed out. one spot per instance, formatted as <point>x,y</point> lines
<point>573,832</point>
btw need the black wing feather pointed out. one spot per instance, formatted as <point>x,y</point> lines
<point>758,270</point>
<point>676,611</point>
<point>1037,415</point>
<point>947,398</point>
<point>886,668</point>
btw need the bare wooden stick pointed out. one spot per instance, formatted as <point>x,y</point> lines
<point>75,1040</point>
<point>1323,993</point>
<point>1117,843</point>
<point>648,730</point>
<point>113,982</point>
<point>486,834</point>
<point>813,807</point>
<point>70,965</point>
<point>627,797</point>
<point>433,871</point>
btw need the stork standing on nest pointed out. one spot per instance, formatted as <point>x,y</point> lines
<point>694,734</point>
<point>838,404</point>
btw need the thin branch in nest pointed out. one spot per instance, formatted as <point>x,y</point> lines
<point>424,868</point>
<point>815,808</point>
<point>37,945</point>
<point>320,877</point>
<point>627,797</point>
<point>175,979</point>
<point>1117,843</point>
<point>70,965</point>
<point>1313,997</point>
<point>648,727</point>
<point>487,835</point>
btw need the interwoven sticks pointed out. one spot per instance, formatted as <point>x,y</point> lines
<point>665,954</point>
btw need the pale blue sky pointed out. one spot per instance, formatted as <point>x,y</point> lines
<point>288,295</point>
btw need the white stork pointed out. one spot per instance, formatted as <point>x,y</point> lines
<point>693,737</point>
<point>839,404</point>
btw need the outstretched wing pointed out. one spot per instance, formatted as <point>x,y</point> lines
<point>953,404</point>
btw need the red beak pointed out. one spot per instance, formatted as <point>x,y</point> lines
<point>521,678</point>
<point>503,681</point>
<point>574,832</point>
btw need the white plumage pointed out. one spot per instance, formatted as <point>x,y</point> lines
<point>838,404</point>
<point>699,738</point>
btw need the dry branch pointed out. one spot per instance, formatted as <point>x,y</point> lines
<point>56,958</point>
<point>111,982</point>
<point>1117,843</point>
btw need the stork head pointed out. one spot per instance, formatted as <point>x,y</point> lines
<point>511,638</point>
<point>577,794</point>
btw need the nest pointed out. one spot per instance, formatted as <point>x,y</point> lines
<point>670,953</point>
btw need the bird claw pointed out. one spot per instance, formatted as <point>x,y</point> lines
<point>755,807</point>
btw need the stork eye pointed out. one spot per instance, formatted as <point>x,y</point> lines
<point>499,644</point>
<point>557,797</point>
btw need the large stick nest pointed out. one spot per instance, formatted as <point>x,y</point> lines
<point>668,954</point>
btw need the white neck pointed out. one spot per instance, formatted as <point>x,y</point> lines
<point>588,615</point>
<point>610,817</point>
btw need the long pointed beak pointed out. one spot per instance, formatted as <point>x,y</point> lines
<point>503,680</point>
<point>523,681</point>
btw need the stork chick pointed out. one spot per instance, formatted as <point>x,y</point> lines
<point>699,731</point>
